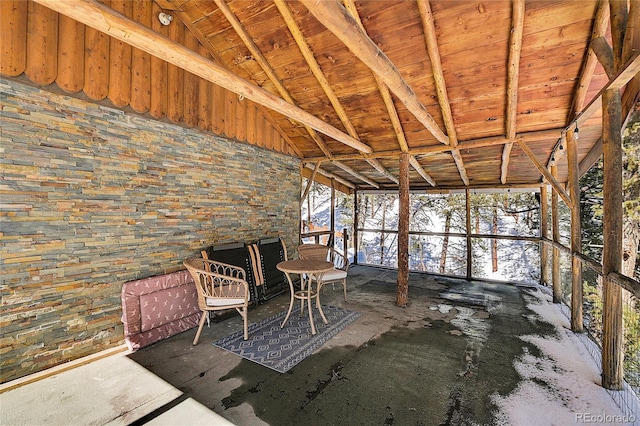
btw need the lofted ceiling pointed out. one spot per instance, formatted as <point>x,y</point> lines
<point>476,93</point>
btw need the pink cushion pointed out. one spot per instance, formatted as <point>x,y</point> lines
<point>159,307</point>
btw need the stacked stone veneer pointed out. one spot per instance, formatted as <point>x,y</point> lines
<point>92,197</point>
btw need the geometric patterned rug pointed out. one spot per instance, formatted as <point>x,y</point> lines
<point>281,349</point>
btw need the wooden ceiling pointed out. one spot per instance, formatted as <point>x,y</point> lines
<point>478,93</point>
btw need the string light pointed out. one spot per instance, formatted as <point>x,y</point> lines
<point>576,132</point>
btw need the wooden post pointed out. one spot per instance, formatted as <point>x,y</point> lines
<point>544,233</point>
<point>356,221</point>
<point>612,337</point>
<point>555,226</point>
<point>576,234</point>
<point>402,289</point>
<point>332,236</point>
<point>467,196</point>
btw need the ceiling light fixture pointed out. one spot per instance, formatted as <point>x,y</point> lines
<point>165,19</point>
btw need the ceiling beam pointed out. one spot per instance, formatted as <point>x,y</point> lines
<point>266,67</point>
<point>311,61</point>
<point>515,50</point>
<point>389,105</point>
<point>355,173</point>
<point>340,22</point>
<point>332,176</point>
<point>462,146</point>
<point>118,26</point>
<point>431,40</point>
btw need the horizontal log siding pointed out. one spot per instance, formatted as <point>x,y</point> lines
<point>92,197</point>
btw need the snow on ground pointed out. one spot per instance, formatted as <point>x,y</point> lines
<point>562,386</point>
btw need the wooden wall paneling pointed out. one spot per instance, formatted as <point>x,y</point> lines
<point>205,98</point>
<point>42,44</point>
<point>141,62</point>
<point>13,33</point>
<point>230,113</point>
<point>175,77</point>
<point>158,71</point>
<point>259,125</point>
<point>120,62</point>
<point>250,122</point>
<point>96,62</point>
<point>191,85</point>
<point>70,76</point>
<point>218,112</point>
<point>241,119</point>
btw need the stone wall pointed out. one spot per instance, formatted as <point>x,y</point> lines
<point>93,197</point>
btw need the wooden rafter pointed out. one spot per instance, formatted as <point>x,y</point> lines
<point>340,22</point>
<point>322,80</point>
<point>266,67</point>
<point>515,49</point>
<point>600,25</point>
<point>431,41</point>
<point>355,173</point>
<point>467,145</point>
<point>332,176</point>
<point>546,173</point>
<point>108,21</point>
<point>310,181</point>
<point>391,108</point>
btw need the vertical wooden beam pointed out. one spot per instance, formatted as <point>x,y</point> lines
<point>544,233</point>
<point>42,44</point>
<point>356,222</point>
<point>555,227</point>
<point>467,196</point>
<point>70,75</point>
<point>190,84</point>
<point>13,33</point>
<point>402,289</point>
<point>158,70</point>
<point>96,64</point>
<point>120,62</point>
<point>175,79</point>
<point>332,220</point>
<point>612,336</point>
<point>576,235</point>
<point>141,62</point>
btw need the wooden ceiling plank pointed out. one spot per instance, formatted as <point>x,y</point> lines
<point>515,50</point>
<point>98,16</point>
<point>340,22</point>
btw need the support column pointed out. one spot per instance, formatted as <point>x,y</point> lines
<point>468,225</point>
<point>544,233</point>
<point>356,222</point>
<point>402,289</point>
<point>555,225</point>
<point>612,336</point>
<point>577,298</point>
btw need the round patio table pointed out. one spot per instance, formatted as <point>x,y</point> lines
<point>307,268</point>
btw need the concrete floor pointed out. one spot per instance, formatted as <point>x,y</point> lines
<point>438,361</point>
